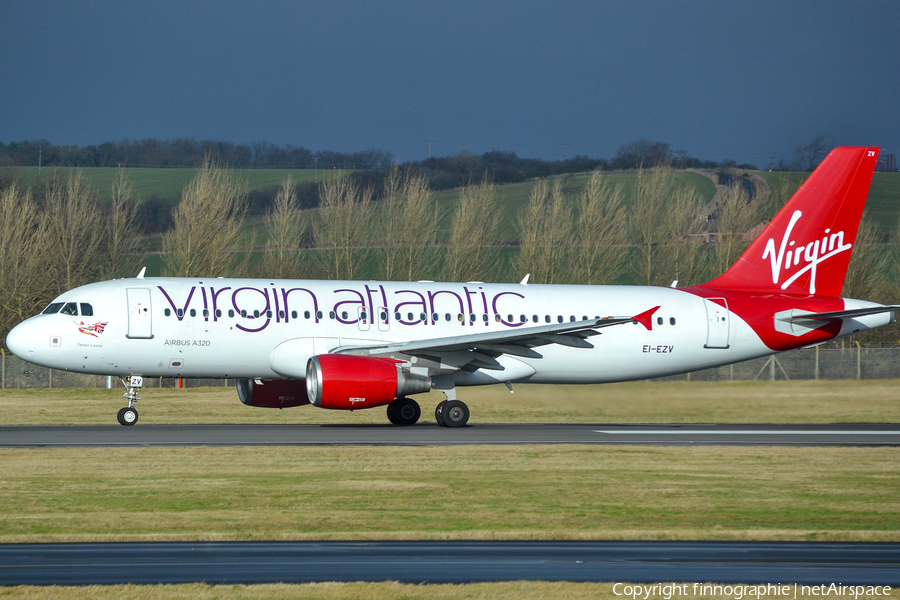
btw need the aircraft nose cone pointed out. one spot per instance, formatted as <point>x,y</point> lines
<point>20,341</point>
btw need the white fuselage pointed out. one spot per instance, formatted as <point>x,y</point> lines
<point>218,328</point>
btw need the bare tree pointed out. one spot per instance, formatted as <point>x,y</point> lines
<point>122,257</point>
<point>870,265</point>
<point>24,245</point>
<point>346,214</point>
<point>408,215</point>
<point>545,234</point>
<point>281,258</point>
<point>810,155</point>
<point>601,229</point>
<point>206,238</point>
<point>734,218</point>
<point>665,221</point>
<point>472,230</point>
<point>73,216</point>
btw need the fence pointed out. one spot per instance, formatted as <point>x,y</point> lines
<point>821,362</point>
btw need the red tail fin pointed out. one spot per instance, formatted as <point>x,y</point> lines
<point>806,248</point>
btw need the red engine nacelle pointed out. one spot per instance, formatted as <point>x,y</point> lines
<point>272,393</point>
<point>348,382</point>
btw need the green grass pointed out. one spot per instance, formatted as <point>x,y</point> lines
<point>168,183</point>
<point>491,492</point>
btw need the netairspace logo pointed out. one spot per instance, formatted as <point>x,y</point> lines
<point>696,590</point>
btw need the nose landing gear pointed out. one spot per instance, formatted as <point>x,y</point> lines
<point>129,415</point>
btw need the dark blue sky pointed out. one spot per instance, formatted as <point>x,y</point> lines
<point>719,79</point>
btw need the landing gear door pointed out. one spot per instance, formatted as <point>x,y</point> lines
<point>139,314</point>
<point>717,321</point>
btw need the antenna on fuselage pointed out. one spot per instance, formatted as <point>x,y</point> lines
<point>141,274</point>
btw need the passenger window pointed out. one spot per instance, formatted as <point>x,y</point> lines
<point>193,312</point>
<point>409,316</point>
<point>584,318</point>
<point>218,313</point>
<point>344,315</point>
<point>472,318</point>
<point>435,316</point>
<point>206,312</point>
<point>383,316</point>
<point>52,309</point>
<point>522,319</point>
<point>281,314</point>
<point>460,317</point>
<point>535,318</point>
<point>70,309</point>
<point>422,316</point>
<point>659,320</point>
<point>293,314</point>
<point>268,314</point>
<point>572,319</point>
<point>363,315</point>
<point>331,314</point>
<point>255,314</point>
<point>559,319</point>
<point>87,310</point>
<point>671,320</point>
<point>180,312</point>
<point>167,312</point>
<point>319,314</point>
<point>244,313</point>
<point>497,318</point>
<point>396,316</point>
<point>305,314</point>
<point>230,314</point>
<point>546,318</point>
<point>447,316</point>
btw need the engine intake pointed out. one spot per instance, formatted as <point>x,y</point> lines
<point>272,393</point>
<point>349,382</point>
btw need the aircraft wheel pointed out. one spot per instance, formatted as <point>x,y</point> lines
<point>403,411</point>
<point>437,413</point>
<point>455,413</point>
<point>127,416</point>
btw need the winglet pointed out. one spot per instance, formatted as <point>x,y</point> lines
<point>646,318</point>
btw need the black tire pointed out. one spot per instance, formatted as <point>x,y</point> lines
<point>403,411</point>
<point>437,413</point>
<point>127,416</point>
<point>455,413</point>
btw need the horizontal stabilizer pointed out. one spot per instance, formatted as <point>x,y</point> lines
<point>837,315</point>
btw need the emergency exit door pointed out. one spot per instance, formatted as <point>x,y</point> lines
<point>139,314</point>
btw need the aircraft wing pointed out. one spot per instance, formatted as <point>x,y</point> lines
<point>480,350</point>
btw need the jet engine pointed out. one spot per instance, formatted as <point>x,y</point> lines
<point>349,382</point>
<point>272,393</point>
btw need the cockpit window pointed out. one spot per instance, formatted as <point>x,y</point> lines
<point>70,309</point>
<point>52,309</point>
<point>87,310</point>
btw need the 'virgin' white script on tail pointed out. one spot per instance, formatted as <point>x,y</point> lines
<point>790,255</point>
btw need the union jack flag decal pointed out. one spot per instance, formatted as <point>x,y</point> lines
<point>95,330</point>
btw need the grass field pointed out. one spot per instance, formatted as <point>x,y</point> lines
<point>635,402</point>
<point>462,492</point>
<point>168,183</point>
<point>492,492</point>
<point>516,590</point>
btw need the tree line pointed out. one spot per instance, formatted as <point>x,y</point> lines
<point>594,233</point>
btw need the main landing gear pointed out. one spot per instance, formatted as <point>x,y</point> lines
<point>129,415</point>
<point>451,413</point>
<point>403,411</point>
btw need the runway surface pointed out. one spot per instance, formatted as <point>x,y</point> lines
<point>429,434</point>
<point>449,562</point>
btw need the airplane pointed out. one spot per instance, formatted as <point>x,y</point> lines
<point>351,345</point>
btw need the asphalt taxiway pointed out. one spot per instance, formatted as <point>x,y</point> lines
<point>449,562</point>
<point>429,434</point>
